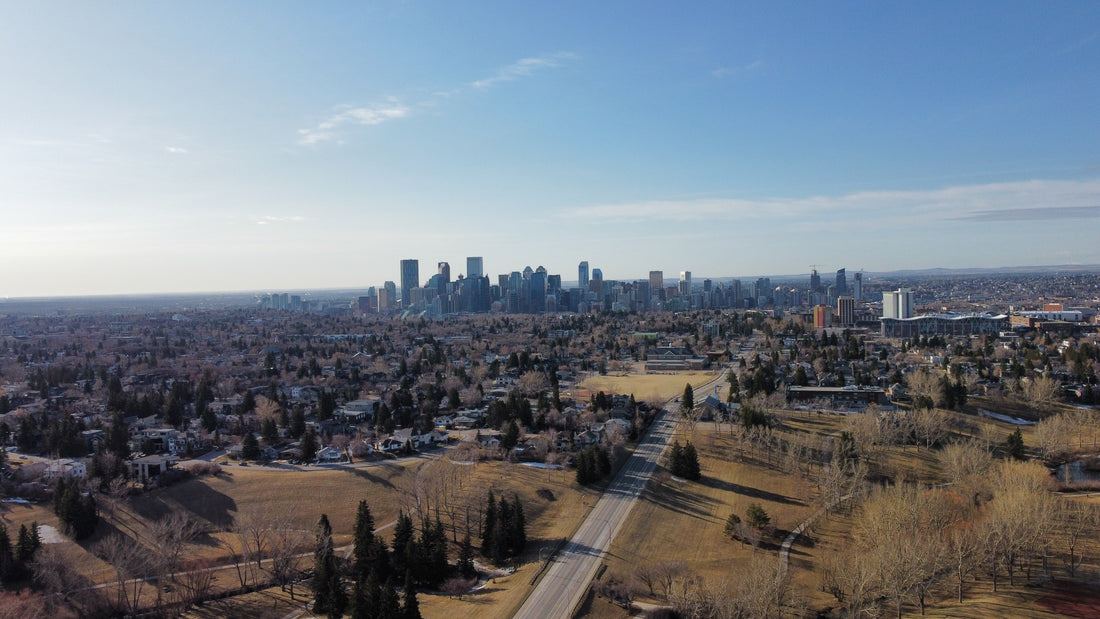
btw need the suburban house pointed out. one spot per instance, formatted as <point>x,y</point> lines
<point>148,467</point>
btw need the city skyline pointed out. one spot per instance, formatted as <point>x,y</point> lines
<point>204,148</point>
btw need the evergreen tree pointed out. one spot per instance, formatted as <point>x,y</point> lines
<point>489,525</point>
<point>28,543</point>
<point>329,597</point>
<point>756,517</point>
<point>7,555</point>
<point>1015,444</point>
<point>402,544</point>
<point>411,608</point>
<point>270,431</point>
<point>298,422</point>
<point>369,549</point>
<point>692,470</point>
<point>250,447</point>
<point>465,558</point>
<point>518,533</point>
<point>389,607</point>
<point>209,419</point>
<point>366,597</point>
<point>510,438</point>
<point>687,402</point>
<point>308,445</point>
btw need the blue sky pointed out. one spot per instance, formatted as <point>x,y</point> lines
<point>173,147</point>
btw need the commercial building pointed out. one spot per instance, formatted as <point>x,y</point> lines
<point>897,304</point>
<point>410,280</point>
<point>944,324</point>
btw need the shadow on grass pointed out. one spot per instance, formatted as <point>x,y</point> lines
<point>755,493</point>
<point>682,502</point>
<point>365,473</point>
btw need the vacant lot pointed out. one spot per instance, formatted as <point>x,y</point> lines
<point>652,388</point>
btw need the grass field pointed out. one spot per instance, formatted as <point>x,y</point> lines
<point>652,388</point>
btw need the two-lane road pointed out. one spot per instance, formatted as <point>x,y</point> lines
<point>565,582</point>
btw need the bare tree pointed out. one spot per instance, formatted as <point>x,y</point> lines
<point>132,567</point>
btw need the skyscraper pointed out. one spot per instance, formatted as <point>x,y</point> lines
<point>846,311</point>
<point>841,283</point>
<point>685,283</point>
<point>858,285</point>
<point>410,278</point>
<point>815,281</point>
<point>582,275</point>
<point>656,281</point>
<point>444,277</point>
<point>474,267</point>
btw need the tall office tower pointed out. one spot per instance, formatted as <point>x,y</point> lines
<point>582,275</point>
<point>474,267</point>
<point>815,281</point>
<point>445,271</point>
<point>537,291</point>
<point>656,280</point>
<point>846,311</point>
<point>553,283</point>
<point>391,295</point>
<point>841,283</point>
<point>858,285</point>
<point>410,279</point>
<point>685,283</point>
<point>596,283</point>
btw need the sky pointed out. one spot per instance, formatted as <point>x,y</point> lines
<point>153,147</point>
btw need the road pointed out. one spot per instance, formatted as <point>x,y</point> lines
<point>565,582</point>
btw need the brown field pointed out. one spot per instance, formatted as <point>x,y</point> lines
<point>684,521</point>
<point>652,388</point>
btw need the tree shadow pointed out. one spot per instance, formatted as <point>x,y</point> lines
<point>756,493</point>
<point>374,479</point>
<point>682,502</point>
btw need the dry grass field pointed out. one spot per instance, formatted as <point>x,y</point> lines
<point>652,388</point>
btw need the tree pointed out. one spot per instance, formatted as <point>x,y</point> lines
<point>1014,444</point>
<point>733,524</point>
<point>368,550</point>
<point>465,559</point>
<point>308,445</point>
<point>250,447</point>
<point>687,401</point>
<point>328,587</point>
<point>411,607</point>
<point>756,517</point>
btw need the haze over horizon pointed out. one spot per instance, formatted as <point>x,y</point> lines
<point>202,147</point>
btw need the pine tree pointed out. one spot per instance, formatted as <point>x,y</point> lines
<point>309,445</point>
<point>389,606</point>
<point>250,447</point>
<point>691,467</point>
<point>687,402</point>
<point>328,588</point>
<point>7,554</point>
<point>489,525</point>
<point>676,459</point>
<point>466,558</point>
<point>518,533</point>
<point>402,543</point>
<point>411,608</point>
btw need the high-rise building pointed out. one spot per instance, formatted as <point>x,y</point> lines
<point>410,279</point>
<point>582,275</point>
<point>897,304</point>
<point>846,311</point>
<point>841,283</point>
<point>858,285</point>
<point>474,267</point>
<point>815,281</point>
<point>596,283</point>
<point>656,280</point>
<point>823,316</point>
<point>685,283</point>
<point>444,273</point>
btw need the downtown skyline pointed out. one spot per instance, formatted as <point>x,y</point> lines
<point>182,148</point>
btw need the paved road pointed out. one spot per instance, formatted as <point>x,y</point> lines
<point>566,581</point>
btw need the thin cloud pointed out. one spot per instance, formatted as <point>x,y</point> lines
<point>525,67</point>
<point>721,72</point>
<point>1048,213</point>
<point>176,150</point>
<point>328,129</point>
<point>270,219</point>
<point>991,202</point>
